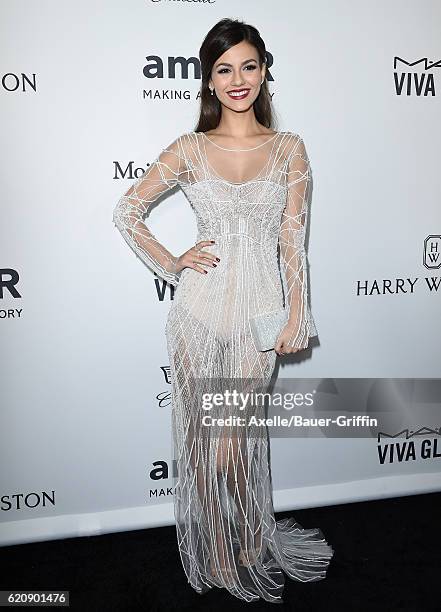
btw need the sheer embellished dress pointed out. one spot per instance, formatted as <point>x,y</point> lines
<point>226,530</point>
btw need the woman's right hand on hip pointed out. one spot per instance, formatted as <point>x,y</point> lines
<point>196,258</point>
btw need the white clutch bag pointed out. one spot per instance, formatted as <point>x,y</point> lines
<point>265,328</point>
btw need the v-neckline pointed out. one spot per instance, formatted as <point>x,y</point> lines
<point>224,180</point>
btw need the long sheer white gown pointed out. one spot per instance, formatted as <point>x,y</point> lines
<point>250,202</point>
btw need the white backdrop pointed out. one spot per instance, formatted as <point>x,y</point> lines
<point>85,394</point>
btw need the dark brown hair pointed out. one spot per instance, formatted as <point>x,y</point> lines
<point>225,34</point>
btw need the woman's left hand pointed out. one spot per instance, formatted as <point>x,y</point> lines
<point>283,344</point>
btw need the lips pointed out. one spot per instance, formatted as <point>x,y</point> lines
<point>238,94</point>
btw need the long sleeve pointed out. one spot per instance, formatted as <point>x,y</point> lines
<point>128,215</point>
<point>292,246</point>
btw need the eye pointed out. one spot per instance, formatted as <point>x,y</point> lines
<point>248,67</point>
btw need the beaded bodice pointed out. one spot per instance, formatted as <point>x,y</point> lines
<point>251,201</point>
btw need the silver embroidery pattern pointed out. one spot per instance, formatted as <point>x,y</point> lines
<point>223,501</point>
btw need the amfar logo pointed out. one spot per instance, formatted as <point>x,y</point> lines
<point>420,81</point>
<point>394,286</point>
<point>9,279</point>
<point>161,472</point>
<point>421,447</point>
<point>157,68</point>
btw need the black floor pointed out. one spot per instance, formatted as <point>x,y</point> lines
<point>387,557</point>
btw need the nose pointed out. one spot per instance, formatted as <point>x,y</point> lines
<point>237,79</point>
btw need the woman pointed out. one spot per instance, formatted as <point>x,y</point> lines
<point>248,187</point>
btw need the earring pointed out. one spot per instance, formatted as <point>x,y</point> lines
<point>261,82</point>
<point>212,91</point>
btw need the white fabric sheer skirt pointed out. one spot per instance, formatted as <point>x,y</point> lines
<point>226,530</point>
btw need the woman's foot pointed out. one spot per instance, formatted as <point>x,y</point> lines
<point>225,574</point>
<point>246,559</point>
<point>250,547</point>
<point>225,577</point>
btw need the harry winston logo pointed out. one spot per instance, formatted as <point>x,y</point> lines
<point>432,252</point>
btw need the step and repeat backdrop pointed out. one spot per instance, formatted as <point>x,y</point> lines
<point>91,92</point>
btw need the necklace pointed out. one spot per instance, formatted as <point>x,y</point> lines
<point>252,148</point>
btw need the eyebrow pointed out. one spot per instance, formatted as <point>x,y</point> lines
<point>244,62</point>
